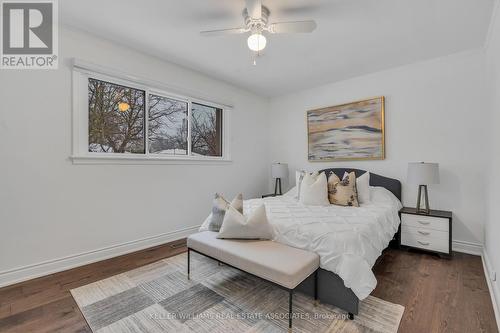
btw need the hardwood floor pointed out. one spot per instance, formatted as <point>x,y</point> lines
<point>46,305</point>
<point>439,295</point>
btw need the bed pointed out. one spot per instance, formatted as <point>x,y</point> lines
<point>349,240</point>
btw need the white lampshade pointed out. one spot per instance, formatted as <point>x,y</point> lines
<point>421,173</point>
<point>279,170</point>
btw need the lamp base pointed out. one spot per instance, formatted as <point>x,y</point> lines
<point>421,210</point>
<point>277,185</point>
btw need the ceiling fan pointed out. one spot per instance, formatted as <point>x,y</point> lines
<point>256,17</point>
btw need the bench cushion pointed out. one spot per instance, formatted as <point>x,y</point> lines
<point>272,261</point>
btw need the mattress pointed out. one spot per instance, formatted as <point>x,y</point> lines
<point>348,239</point>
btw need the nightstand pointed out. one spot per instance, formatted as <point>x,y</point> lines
<point>268,195</point>
<point>431,232</point>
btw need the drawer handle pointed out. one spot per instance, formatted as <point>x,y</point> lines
<point>425,233</point>
<point>423,243</point>
<point>424,222</point>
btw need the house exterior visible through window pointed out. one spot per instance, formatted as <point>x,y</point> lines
<point>122,119</point>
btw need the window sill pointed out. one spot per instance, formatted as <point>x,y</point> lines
<point>143,160</point>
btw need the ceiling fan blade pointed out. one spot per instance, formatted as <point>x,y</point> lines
<point>220,32</point>
<point>254,8</point>
<point>292,27</point>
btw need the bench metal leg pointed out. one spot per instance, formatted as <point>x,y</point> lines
<point>290,313</point>
<point>316,301</point>
<point>189,264</point>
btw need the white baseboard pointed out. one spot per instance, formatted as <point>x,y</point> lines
<point>32,271</point>
<point>467,247</point>
<point>492,286</point>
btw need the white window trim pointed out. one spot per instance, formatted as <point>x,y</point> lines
<point>82,71</point>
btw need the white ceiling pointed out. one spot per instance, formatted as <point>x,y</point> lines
<point>353,37</point>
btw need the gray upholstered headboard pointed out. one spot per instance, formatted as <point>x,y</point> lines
<point>391,184</point>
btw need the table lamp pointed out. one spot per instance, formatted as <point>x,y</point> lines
<point>278,171</point>
<point>423,174</point>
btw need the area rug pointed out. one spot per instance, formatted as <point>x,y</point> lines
<point>159,298</point>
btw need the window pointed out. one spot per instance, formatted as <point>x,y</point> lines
<point>116,118</point>
<point>168,126</point>
<point>120,119</point>
<point>206,130</point>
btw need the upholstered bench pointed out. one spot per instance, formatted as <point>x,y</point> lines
<point>280,264</point>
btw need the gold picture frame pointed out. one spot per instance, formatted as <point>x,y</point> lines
<point>347,132</point>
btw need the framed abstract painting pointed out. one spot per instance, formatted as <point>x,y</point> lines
<point>352,131</point>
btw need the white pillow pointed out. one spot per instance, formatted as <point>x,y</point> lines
<point>314,190</point>
<point>292,193</point>
<point>253,226</point>
<point>363,187</point>
<point>299,176</point>
<point>382,196</point>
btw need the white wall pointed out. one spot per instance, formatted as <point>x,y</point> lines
<point>50,208</point>
<point>435,112</point>
<point>492,224</point>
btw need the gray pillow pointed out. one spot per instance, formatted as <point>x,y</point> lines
<point>219,207</point>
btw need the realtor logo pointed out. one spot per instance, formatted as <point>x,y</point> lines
<point>29,34</point>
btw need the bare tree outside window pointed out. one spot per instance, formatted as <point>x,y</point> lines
<point>120,124</point>
<point>206,130</point>
<point>116,118</point>
<point>168,126</point>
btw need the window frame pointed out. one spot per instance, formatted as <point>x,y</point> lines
<point>200,102</point>
<point>179,99</point>
<point>80,155</point>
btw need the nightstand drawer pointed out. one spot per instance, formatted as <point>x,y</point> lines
<point>425,232</point>
<point>429,222</point>
<point>425,242</point>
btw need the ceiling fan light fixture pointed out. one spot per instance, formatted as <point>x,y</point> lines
<point>256,42</point>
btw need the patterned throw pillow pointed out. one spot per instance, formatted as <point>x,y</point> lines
<point>343,192</point>
<point>219,208</point>
<point>362,186</point>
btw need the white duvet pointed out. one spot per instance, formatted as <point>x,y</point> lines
<point>348,239</point>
